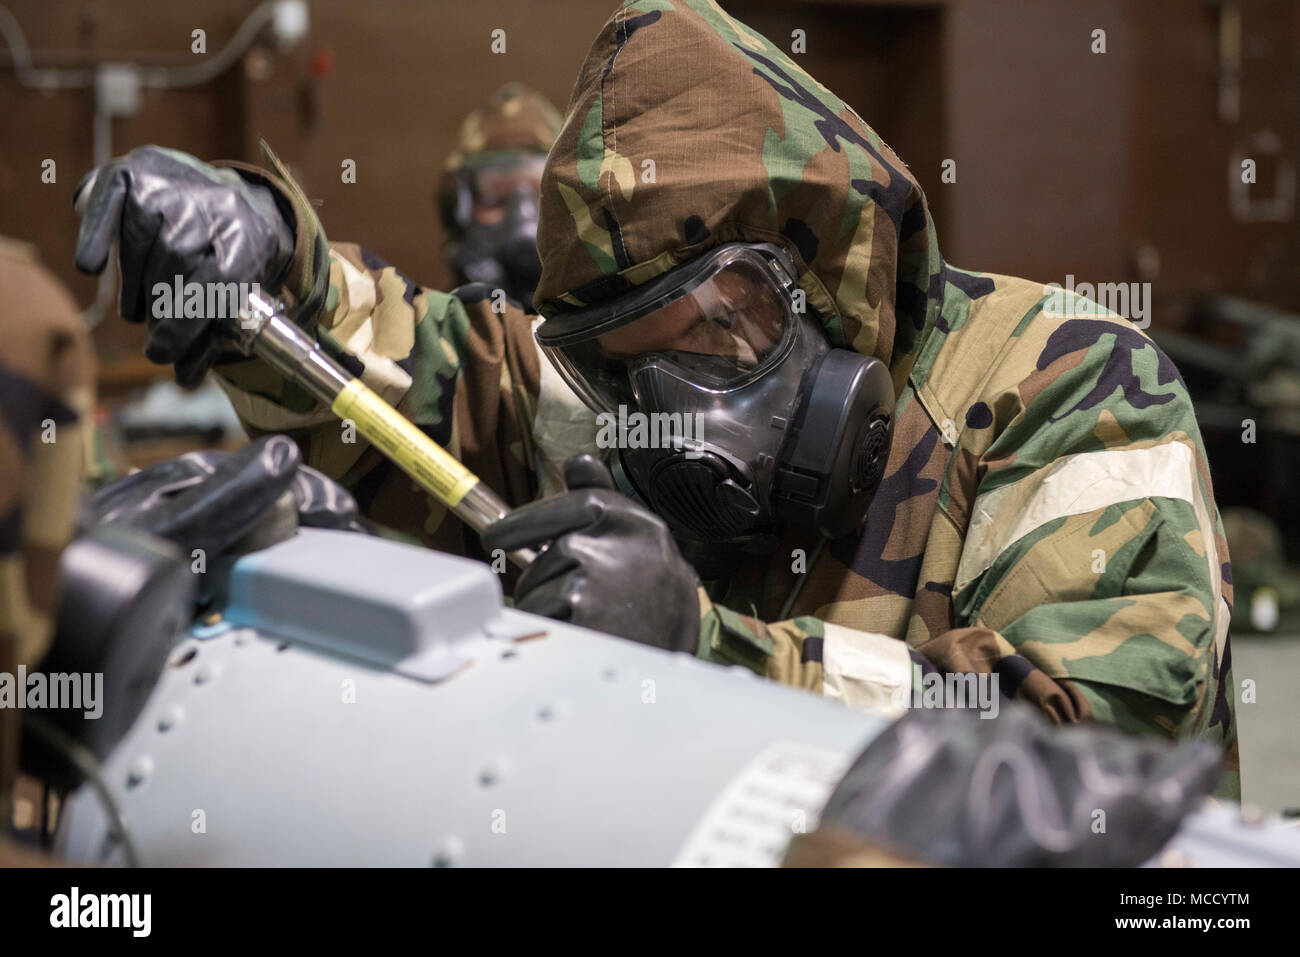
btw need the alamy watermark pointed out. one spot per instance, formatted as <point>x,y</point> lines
<point>651,430</point>
<point>1132,300</point>
<point>179,299</point>
<point>978,691</point>
<point>74,909</point>
<point>58,691</point>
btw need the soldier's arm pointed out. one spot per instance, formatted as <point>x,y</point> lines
<point>1104,616</point>
<point>1093,580</point>
<point>1094,572</point>
<point>1094,577</point>
<point>862,669</point>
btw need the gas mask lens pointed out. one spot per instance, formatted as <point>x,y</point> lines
<point>719,325</point>
<point>494,186</point>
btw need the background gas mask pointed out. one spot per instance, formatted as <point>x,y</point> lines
<point>495,215</point>
<point>732,415</point>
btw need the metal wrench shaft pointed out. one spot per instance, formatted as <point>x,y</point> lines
<point>296,356</point>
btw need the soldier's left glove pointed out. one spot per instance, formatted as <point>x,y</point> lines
<point>223,501</point>
<point>1013,792</point>
<point>610,565</point>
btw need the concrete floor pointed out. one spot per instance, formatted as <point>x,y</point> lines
<point>1269,729</point>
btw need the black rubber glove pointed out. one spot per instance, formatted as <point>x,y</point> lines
<point>950,787</point>
<point>174,215</point>
<point>611,565</point>
<point>210,500</point>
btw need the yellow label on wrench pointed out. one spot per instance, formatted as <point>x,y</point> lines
<point>402,441</point>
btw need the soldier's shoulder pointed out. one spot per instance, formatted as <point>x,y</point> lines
<point>1016,329</point>
<point>1009,343</point>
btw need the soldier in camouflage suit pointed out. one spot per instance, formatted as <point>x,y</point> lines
<point>1046,515</point>
<point>488,191</point>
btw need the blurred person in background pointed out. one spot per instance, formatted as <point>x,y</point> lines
<point>488,196</point>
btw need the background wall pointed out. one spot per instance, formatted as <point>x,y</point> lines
<point>385,84</point>
<point>1105,166</point>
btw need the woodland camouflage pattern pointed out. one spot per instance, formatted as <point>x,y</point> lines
<point>46,392</point>
<point>1047,513</point>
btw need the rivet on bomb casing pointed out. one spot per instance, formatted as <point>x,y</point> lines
<point>170,718</point>
<point>205,675</point>
<point>492,774</point>
<point>449,852</point>
<point>140,769</point>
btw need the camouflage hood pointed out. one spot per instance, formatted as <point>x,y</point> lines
<point>686,130</point>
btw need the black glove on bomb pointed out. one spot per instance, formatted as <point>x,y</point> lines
<point>125,596</point>
<point>1017,791</point>
<point>174,215</point>
<point>611,565</point>
<point>211,499</point>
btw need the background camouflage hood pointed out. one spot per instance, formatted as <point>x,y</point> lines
<point>516,121</point>
<point>685,130</point>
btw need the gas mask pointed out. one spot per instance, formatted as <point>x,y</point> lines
<point>495,213</point>
<point>732,415</point>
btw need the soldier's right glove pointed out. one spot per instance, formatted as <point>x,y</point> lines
<point>609,564</point>
<point>174,215</point>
